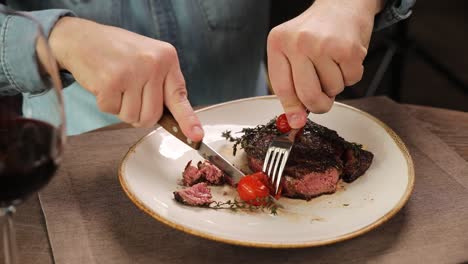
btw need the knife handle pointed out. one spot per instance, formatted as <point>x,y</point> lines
<point>168,122</point>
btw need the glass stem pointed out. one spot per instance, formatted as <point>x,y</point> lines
<point>9,238</point>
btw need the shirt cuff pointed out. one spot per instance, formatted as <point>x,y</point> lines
<point>394,11</point>
<point>18,49</point>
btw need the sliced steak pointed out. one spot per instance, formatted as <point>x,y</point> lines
<point>318,159</point>
<point>197,195</point>
<point>191,175</point>
<point>204,172</point>
<point>211,173</point>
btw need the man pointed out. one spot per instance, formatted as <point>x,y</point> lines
<point>149,51</point>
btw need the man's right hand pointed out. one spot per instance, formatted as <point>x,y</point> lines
<point>131,75</point>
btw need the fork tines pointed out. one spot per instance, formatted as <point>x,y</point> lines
<point>276,158</point>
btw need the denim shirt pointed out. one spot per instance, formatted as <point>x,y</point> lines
<point>221,44</point>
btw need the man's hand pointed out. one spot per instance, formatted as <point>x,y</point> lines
<point>131,76</point>
<point>312,57</point>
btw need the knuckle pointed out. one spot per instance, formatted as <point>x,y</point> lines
<point>322,45</point>
<point>152,118</point>
<point>311,98</point>
<point>105,81</point>
<point>323,108</point>
<point>360,51</point>
<point>130,114</point>
<point>350,50</point>
<point>108,89</point>
<point>320,107</point>
<point>169,51</point>
<point>144,123</point>
<point>334,91</point>
<point>354,80</point>
<point>106,106</point>
<point>112,78</point>
<point>180,90</point>
<point>129,117</point>
<point>179,94</point>
<point>152,58</point>
<point>345,53</point>
<point>355,77</point>
<point>303,42</point>
<point>275,37</point>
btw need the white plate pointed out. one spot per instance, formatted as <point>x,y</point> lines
<point>150,171</point>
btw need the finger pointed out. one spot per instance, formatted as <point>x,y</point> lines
<point>152,102</point>
<point>282,83</point>
<point>175,98</point>
<point>352,72</point>
<point>109,101</point>
<point>131,105</point>
<point>308,86</point>
<point>330,76</point>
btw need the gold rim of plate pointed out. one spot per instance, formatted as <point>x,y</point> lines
<point>378,222</point>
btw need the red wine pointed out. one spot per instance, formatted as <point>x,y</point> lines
<point>29,152</point>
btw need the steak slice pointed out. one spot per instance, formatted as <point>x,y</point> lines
<point>318,160</point>
<point>197,195</point>
<point>191,175</point>
<point>204,172</point>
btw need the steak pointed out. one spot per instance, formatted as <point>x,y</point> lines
<point>318,160</point>
<point>204,172</point>
<point>196,195</point>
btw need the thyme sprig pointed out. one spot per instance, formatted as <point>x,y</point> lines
<point>249,134</point>
<point>266,204</point>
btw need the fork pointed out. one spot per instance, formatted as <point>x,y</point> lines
<point>277,155</point>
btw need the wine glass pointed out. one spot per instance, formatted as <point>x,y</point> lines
<point>32,130</point>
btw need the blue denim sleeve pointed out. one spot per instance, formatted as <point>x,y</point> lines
<point>394,11</point>
<point>19,69</point>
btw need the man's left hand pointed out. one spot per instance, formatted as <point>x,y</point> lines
<point>312,57</point>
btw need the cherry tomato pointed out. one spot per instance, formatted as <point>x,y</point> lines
<point>257,186</point>
<point>282,124</point>
<point>253,189</point>
<point>261,176</point>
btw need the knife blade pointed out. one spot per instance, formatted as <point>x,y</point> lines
<point>214,157</point>
<point>169,123</point>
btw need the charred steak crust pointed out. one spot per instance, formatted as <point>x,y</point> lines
<point>178,197</point>
<point>317,150</point>
<point>356,164</point>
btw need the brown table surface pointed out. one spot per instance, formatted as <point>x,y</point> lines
<point>34,247</point>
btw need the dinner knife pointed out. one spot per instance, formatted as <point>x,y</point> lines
<point>169,123</point>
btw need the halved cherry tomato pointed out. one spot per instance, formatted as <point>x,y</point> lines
<point>253,189</point>
<point>282,124</point>
<point>264,178</point>
<point>261,176</point>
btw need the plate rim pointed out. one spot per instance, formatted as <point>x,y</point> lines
<point>259,244</point>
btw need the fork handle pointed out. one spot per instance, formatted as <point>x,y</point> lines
<point>168,122</point>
